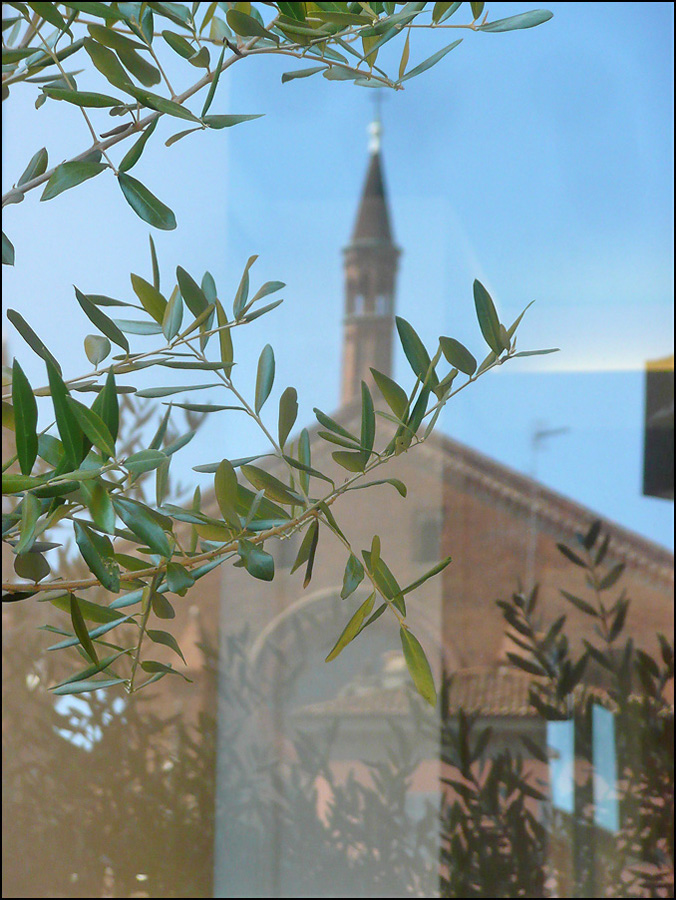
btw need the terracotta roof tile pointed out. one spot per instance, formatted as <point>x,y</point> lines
<point>487,691</point>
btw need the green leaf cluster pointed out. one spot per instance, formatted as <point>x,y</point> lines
<point>77,473</point>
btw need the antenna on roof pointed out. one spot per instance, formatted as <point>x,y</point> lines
<point>539,435</point>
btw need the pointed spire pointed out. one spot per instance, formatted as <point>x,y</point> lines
<point>371,261</point>
<point>373,218</point>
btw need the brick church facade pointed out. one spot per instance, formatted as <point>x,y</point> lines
<point>500,527</point>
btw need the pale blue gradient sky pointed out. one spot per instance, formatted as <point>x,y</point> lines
<point>538,161</point>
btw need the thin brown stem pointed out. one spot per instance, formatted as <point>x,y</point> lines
<point>152,587</point>
<point>30,32</point>
<point>57,61</point>
<point>116,138</point>
<point>162,72</point>
<point>191,561</point>
<point>343,540</point>
<point>125,366</point>
<point>295,50</point>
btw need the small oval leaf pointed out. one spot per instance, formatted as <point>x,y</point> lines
<point>93,426</point>
<point>145,204</point>
<point>430,61</point>
<point>36,167</point>
<point>97,552</point>
<point>488,318</point>
<point>151,299</point>
<point>101,321</point>
<point>173,315</point>
<point>458,355</point>
<point>139,520</point>
<point>7,251</point>
<point>353,627</point>
<point>418,666</point>
<point>31,338</point>
<point>133,155</point>
<point>25,419</point>
<point>97,348</point>
<point>265,377</point>
<point>68,175</point>
<point>395,396</point>
<point>288,411</point>
<point>225,488</point>
<point>523,20</point>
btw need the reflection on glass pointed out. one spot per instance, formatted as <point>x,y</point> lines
<point>606,804</point>
<point>545,770</point>
<point>561,751</point>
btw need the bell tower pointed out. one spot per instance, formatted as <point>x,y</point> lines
<point>370,264</point>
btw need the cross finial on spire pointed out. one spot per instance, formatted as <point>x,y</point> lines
<point>375,128</point>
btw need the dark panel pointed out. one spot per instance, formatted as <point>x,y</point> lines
<point>658,456</point>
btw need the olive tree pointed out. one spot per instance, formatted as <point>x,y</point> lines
<point>72,473</point>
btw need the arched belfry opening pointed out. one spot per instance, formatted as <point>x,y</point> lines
<point>371,261</point>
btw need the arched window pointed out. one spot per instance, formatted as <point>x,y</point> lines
<point>382,304</point>
<point>426,541</point>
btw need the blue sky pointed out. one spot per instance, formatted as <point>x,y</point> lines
<point>538,161</point>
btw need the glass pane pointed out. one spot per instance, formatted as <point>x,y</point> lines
<point>536,163</point>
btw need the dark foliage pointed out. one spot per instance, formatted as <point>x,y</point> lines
<point>110,800</point>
